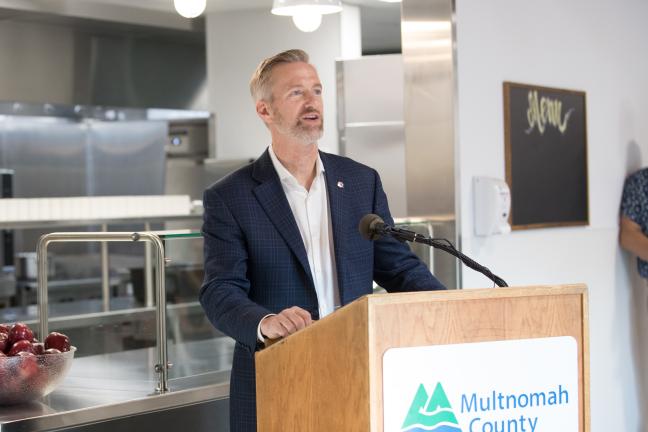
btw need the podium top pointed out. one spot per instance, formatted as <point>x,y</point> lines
<point>476,293</point>
<point>374,300</point>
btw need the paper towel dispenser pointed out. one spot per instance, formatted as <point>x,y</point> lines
<point>492,199</point>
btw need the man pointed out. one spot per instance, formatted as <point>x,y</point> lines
<point>282,246</point>
<point>634,218</point>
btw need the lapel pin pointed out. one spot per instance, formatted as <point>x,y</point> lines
<point>340,185</point>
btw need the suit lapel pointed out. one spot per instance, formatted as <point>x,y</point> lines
<point>335,180</point>
<point>273,200</point>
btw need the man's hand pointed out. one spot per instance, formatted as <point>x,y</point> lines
<point>285,323</point>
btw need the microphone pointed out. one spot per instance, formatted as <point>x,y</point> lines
<point>372,227</point>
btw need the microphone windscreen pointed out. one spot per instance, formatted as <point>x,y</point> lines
<point>367,226</point>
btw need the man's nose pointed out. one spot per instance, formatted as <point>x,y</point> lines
<point>311,96</point>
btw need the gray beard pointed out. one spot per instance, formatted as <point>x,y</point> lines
<point>300,133</point>
<point>306,136</point>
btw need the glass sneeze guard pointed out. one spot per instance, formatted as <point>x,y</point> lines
<point>163,244</point>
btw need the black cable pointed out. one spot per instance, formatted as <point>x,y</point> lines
<point>447,246</point>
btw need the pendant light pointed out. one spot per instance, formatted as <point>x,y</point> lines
<point>306,14</point>
<point>190,8</point>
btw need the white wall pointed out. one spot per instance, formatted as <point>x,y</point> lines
<point>600,47</point>
<point>236,42</point>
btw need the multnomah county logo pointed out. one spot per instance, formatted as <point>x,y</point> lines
<point>430,412</point>
<point>522,385</point>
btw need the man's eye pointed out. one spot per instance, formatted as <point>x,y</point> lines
<point>295,92</point>
<point>318,92</point>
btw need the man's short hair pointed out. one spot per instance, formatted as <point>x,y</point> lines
<point>260,82</point>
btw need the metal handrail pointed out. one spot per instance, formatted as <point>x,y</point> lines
<point>162,367</point>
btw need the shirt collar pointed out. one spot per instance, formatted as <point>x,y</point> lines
<point>284,174</point>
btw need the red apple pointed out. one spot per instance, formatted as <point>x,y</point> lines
<point>39,348</point>
<point>4,328</point>
<point>20,331</point>
<point>28,367</point>
<point>57,340</point>
<point>20,346</point>
<point>4,342</point>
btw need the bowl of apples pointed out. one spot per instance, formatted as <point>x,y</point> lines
<point>30,369</point>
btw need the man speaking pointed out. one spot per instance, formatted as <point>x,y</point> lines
<point>282,246</point>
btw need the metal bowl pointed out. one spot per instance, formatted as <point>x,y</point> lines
<point>24,379</point>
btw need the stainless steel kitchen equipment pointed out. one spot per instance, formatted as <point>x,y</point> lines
<point>158,249</point>
<point>6,236</point>
<point>188,139</point>
<point>423,227</point>
<point>190,169</point>
<point>63,151</point>
<point>190,165</point>
<point>56,150</point>
<point>57,56</point>
<point>430,112</point>
<point>123,389</point>
<point>7,278</point>
<point>26,265</point>
<point>7,287</point>
<point>93,398</point>
<point>370,120</point>
<point>78,150</point>
<point>372,130</point>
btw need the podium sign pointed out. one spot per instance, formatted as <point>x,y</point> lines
<point>527,385</point>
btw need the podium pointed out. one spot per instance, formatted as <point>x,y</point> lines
<point>487,359</point>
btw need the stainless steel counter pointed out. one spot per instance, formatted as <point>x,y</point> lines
<point>105,387</point>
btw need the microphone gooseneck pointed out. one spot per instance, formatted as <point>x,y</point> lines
<point>372,227</point>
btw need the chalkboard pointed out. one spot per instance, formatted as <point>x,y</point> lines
<point>545,138</point>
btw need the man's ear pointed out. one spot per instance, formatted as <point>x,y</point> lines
<point>263,111</point>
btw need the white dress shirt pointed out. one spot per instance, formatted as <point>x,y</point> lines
<point>313,217</point>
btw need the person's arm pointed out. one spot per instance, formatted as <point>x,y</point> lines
<point>224,294</point>
<point>396,267</point>
<point>632,238</point>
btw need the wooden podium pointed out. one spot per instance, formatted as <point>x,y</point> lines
<point>328,377</point>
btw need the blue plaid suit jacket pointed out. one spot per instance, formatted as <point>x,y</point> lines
<point>256,262</point>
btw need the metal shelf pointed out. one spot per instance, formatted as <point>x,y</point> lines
<point>88,222</point>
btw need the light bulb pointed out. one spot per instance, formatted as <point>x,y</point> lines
<point>190,8</point>
<point>307,20</point>
<point>290,7</point>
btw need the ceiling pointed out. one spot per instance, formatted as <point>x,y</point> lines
<point>216,5</point>
<point>380,21</point>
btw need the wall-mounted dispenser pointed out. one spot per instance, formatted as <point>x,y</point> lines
<point>492,199</point>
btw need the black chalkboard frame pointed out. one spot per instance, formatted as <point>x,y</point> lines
<point>574,182</point>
